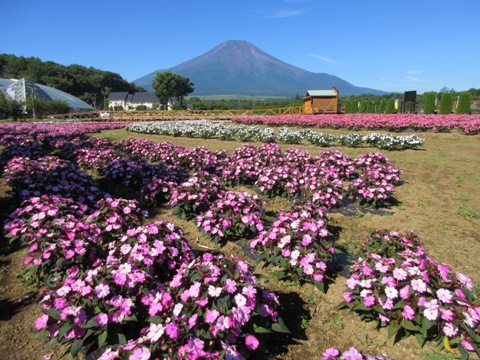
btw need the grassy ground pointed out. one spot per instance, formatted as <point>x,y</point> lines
<point>440,200</point>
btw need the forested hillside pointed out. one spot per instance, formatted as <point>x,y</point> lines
<point>89,84</point>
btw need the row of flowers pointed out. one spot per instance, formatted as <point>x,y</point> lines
<point>398,286</point>
<point>468,124</point>
<point>218,130</point>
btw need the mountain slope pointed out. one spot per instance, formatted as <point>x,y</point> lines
<point>238,67</point>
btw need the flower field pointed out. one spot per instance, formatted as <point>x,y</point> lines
<point>468,124</point>
<point>142,248</point>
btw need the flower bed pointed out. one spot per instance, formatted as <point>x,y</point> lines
<point>397,285</point>
<point>208,130</point>
<point>136,289</point>
<point>468,124</point>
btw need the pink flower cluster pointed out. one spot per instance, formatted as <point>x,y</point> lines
<point>298,243</point>
<point>234,215</point>
<point>399,286</point>
<point>196,195</point>
<point>469,124</point>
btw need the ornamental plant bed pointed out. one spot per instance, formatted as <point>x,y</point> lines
<point>437,198</point>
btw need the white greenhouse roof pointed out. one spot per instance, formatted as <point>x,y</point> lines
<point>19,90</point>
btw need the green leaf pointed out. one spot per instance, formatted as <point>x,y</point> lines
<point>360,307</point>
<point>65,328</point>
<point>53,313</point>
<point>393,329</point>
<point>260,330</point>
<point>420,339</point>
<point>90,324</point>
<point>121,338</point>
<point>76,347</point>
<point>408,325</point>
<point>102,338</point>
<point>280,327</point>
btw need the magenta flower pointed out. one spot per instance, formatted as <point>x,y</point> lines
<point>251,342</point>
<point>172,330</point>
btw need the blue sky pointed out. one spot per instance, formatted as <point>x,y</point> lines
<point>394,46</point>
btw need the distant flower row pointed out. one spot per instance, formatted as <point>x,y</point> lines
<point>468,124</point>
<point>218,130</point>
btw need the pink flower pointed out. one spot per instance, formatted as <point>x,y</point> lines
<point>230,286</point>
<point>251,342</point>
<point>211,316</point>
<point>141,353</point>
<point>101,319</point>
<point>400,274</point>
<point>465,280</point>
<point>351,354</point>
<point>172,330</point>
<point>155,332</point>
<point>419,285</point>
<point>450,330</point>
<point>214,291</point>
<point>408,312</point>
<point>330,354</point>
<point>391,292</point>
<point>41,322</point>
<point>369,300</point>
<point>347,296</point>
<point>102,290</point>
<point>431,310</point>
<point>445,296</point>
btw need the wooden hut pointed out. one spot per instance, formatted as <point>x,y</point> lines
<point>321,102</point>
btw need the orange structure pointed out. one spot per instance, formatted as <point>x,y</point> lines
<point>321,102</point>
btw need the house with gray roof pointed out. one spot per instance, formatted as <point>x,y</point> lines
<point>126,101</point>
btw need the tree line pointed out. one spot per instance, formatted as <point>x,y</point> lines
<point>87,83</point>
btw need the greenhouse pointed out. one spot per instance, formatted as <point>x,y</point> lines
<point>19,90</point>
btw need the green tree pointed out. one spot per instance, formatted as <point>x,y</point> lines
<point>390,109</point>
<point>464,103</point>
<point>168,85</point>
<point>446,103</point>
<point>383,106</point>
<point>9,107</point>
<point>429,103</point>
